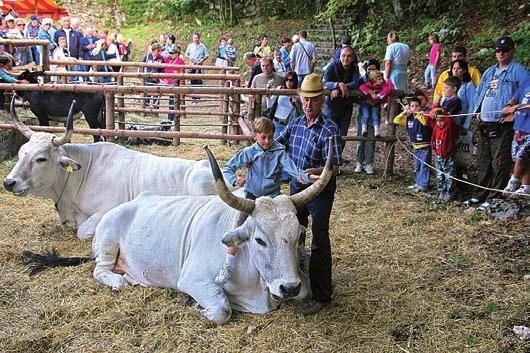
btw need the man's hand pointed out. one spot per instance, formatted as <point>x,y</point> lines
<point>344,89</point>
<point>241,181</point>
<point>509,110</point>
<point>334,94</point>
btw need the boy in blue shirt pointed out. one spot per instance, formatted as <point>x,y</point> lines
<point>265,160</point>
<point>419,133</point>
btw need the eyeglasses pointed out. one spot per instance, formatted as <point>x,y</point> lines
<point>20,25</point>
<point>502,50</point>
<point>289,80</point>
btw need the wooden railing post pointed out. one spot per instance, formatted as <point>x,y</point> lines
<point>236,110</point>
<point>223,106</point>
<point>390,149</point>
<point>176,119</point>
<point>45,62</point>
<point>109,113</point>
<point>120,103</point>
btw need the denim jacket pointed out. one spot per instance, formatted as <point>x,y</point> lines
<point>264,169</point>
<point>335,74</point>
<point>508,84</point>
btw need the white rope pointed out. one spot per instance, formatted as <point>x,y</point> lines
<point>524,107</point>
<point>457,179</point>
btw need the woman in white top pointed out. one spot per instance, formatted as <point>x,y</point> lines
<point>397,57</point>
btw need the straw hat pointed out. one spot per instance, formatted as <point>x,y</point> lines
<point>311,86</point>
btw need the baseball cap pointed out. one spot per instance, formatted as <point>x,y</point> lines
<point>35,17</point>
<point>9,18</point>
<point>504,43</point>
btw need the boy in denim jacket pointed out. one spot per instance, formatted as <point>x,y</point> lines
<point>265,160</point>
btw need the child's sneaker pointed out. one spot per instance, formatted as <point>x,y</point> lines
<point>364,130</point>
<point>376,131</point>
<point>512,186</point>
<point>369,169</point>
<point>358,168</point>
<point>521,192</point>
<point>224,274</point>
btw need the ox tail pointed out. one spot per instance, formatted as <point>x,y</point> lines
<point>36,263</point>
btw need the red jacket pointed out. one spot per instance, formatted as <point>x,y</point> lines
<point>443,141</point>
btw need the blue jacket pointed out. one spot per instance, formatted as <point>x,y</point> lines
<point>334,74</point>
<point>466,93</point>
<point>522,117</point>
<point>507,86</point>
<point>85,42</point>
<point>74,44</point>
<point>264,169</point>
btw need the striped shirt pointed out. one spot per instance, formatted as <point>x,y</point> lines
<point>308,146</point>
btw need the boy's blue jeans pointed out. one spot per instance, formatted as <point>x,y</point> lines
<point>444,184</point>
<point>423,172</point>
<point>372,112</point>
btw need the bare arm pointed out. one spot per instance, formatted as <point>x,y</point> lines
<point>388,65</point>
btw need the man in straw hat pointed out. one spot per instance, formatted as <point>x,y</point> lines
<point>306,141</point>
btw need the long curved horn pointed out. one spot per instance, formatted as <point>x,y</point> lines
<point>311,192</point>
<point>59,141</point>
<point>26,131</point>
<point>230,199</point>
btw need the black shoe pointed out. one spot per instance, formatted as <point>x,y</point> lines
<point>311,307</point>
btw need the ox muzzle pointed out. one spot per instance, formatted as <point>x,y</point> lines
<point>9,184</point>
<point>288,290</point>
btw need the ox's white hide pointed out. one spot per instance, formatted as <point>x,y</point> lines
<point>175,242</point>
<point>108,176</point>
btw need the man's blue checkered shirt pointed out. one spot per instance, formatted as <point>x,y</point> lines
<point>308,146</point>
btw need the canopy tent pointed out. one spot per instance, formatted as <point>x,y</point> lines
<point>25,8</point>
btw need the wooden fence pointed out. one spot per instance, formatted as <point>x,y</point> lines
<point>225,94</point>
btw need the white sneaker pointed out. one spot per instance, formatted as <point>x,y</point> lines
<point>358,168</point>
<point>369,169</point>
<point>512,186</point>
<point>520,193</point>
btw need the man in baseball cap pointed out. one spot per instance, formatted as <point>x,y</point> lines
<point>504,43</point>
<point>499,83</point>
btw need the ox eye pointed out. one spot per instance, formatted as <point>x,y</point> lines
<point>260,242</point>
<point>41,160</point>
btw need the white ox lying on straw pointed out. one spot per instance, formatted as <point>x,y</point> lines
<point>175,242</point>
<point>87,180</point>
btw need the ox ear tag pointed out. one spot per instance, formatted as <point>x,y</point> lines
<point>69,164</point>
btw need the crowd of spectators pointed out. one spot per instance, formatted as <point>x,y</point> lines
<point>67,40</point>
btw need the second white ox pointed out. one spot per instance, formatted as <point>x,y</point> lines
<point>175,242</point>
<point>87,180</point>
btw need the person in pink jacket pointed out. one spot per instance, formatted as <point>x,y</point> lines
<point>376,90</point>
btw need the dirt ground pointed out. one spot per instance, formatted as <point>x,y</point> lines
<point>409,275</point>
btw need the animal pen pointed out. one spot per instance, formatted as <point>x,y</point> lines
<point>222,92</point>
<point>408,276</point>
